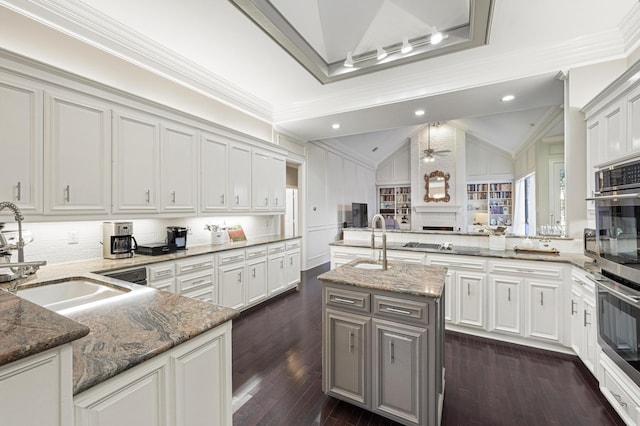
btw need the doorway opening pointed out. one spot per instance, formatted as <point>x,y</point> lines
<point>290,221</point>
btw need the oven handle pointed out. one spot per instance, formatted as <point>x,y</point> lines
<point>633,299</point>
<point>613,197</point>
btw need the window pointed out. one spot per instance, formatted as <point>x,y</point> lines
<point>525,209</point>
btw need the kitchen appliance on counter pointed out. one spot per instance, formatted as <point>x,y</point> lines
<point>219,234</point>
<point>360,217</point>
<point>117,240</point>
<point>155,249</point>
<point>615,247</point>
<point>177,237</point>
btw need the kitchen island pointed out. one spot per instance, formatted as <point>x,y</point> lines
<point>383,341</point>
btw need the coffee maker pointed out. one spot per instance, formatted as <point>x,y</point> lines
<point>177,237</point>
<point>117,240</point>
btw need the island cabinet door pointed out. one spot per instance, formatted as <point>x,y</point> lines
<point>397,382</point>
<point>346,356</point>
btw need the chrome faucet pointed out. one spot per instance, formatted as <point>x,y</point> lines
<point>384,238</point>
<point>21,269</point>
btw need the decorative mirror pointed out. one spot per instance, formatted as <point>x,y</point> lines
<point>437,187</point>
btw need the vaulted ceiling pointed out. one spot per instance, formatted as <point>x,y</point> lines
<point>216,45</point>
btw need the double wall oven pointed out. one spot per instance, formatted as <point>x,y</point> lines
<point>617,201</point>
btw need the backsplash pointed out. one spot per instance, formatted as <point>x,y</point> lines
<point>51,240</point>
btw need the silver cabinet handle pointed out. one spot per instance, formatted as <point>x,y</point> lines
<point>577,281</point>
<point>67,192</point>
<point>351,345</point>
<point>237,200</point>
<point>198,282</point>
<point>509,295</point>
<point>397,311</point>
<point>148,196</point>
<point>345,301</point>
<point>391,351</point>
<point>239,277</point>
<point>585,318</point>
<point>253,274</point>
<point>541,298</point>
<point>281,264</point>
<point>221,199</point>
<point>291,261</point>
<point>266,201</point>
<point>173,197</point>
<point>468,289</point>
<point>18,191</point>
<point>619,399</point>
<point>163,273</point>
<point>573,303</point>
<point>276,201</point>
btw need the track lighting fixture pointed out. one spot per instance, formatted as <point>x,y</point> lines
<point>436,36</point>
<point>381,54</point>
<point>349,61</point>
<point>406,46</point>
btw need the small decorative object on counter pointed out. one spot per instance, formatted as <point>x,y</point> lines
<point>218,234</point>
<point>236,233</point>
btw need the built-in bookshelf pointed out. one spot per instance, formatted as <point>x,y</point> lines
<point>490,204</point>
<point>395,203</point>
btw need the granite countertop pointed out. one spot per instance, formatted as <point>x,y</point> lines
<point>400,277</point>
<point>463,233</point>
<point>576,259</point>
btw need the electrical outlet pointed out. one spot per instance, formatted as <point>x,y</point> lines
<point>73,237</point>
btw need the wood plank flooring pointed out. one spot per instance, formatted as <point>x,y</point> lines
<point>277,373</point>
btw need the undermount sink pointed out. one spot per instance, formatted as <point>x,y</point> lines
<point>422,245</point>
<point>372,266</point>
<point>69,294</point>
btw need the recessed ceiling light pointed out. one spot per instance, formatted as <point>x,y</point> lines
<point>419,112</point>
<point>335,126</point>
<point>508,98</point>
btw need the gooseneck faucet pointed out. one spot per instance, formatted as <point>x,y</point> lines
<point>20,270</point>
<point>384,238</point>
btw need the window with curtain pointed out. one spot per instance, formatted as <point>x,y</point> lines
<point>524,222</point>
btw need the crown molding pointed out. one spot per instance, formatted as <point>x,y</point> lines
<point>84,23</point>
<point>630,29</point>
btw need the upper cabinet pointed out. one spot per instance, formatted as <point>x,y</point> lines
<point>77,154</point>
<point>21,136</point>
<point>396,169</point>
<point>214,165</point>
<point>136,163</point>
<point>179,177</point>
<point>240,177</point>
<point>268,181</point>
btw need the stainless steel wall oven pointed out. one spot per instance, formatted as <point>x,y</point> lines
<point>617,202</point>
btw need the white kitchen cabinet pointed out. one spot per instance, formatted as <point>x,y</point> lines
<point>292,263</point>
<point>22,144</point>
<point>268,181</point>
<point>449,296</point>
<point>179,178</point>
<point>232,279</point>
<point>195,277</point>
<point>633,120</point>
<point>214,166</point>
<point>471,299</point>
<point>77,154</point>
<point>187,385</point>
<point>37,390</point>
<point>543,310</point>
<point>614,131</point>
<point>240,177</point>
<point>136,163</point>
<point>593,157</point>
<point>276,259</point>
<point>257,279</point>
<point>506,304</point>
<point>620,391</point>
<point>584,331</point>
<point>342,255</point>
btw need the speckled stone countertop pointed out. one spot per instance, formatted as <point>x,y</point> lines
<point>400,277</point>
<point>576,259</point>
<point>27,329</point>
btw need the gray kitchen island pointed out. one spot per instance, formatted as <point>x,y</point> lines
<point>383,339</point>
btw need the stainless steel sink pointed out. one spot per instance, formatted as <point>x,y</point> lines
<point>423,245</point>
<point>370,266</point>
<point>63,295</point>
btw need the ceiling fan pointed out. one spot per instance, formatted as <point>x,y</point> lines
<point>429,155</point>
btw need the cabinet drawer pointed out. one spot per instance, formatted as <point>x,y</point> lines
<point>585,281</point>
<point>233,256</point>
<point>456,262</point>
<point>166,285</point>
<point>618,395</point>
<point>276,248</point>
<point>256,252</point>
<point>207,294</point>
<point>400,310</point>
<point>193,265</point>
<point>194,281</point>
<point>531,269</point>
<point>292,245</point>
<point>160,271</point>
<point>347,299</point>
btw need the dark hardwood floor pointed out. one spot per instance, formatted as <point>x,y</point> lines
<point>277,373</point>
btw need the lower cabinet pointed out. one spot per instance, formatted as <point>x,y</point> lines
<point>471,299</point>
<point>232,279</point>
<point>544,310</point>
<point>584,331</point>
<point>620,391</point>
<point>37,390</point>
<point>381,352</point>
<point>189,385</point>
<point>506,304</point>
<point>257,279</point>
<point>276,257</point>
